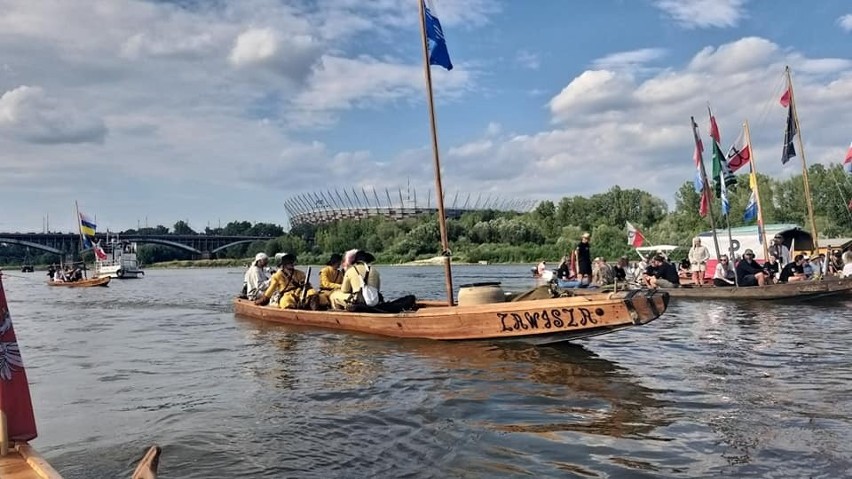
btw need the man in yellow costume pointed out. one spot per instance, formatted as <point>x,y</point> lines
<point>331,278</point>
<point>347,296</point>
<point>289,282</point>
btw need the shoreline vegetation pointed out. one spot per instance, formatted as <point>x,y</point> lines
<point>547,233</point>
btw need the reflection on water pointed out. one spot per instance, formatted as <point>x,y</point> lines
<point>712,389</point>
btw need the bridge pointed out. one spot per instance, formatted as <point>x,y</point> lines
<point>202,246</point>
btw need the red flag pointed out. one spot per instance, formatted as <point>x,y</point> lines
<point>739,154</point>
<point>99,252</point>
<point>634,236</point>
<point>15,399</point>
<point>785,98</point>
<point>848,159</point>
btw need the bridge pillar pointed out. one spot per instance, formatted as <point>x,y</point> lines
<point>205,255</point>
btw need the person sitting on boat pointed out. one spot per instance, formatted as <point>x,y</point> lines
<point>77,274</point>
<point>541,268</point>
<point>808,267</point>
<point>51,272</point>
<point>59,276</point>
<point>698,256</point>
<point>749,272</point>
<point>602,274</point>
<point>291,284</point>
<point>330,279</point>
<point>846,272</point>
<point>661,274</point>
<point>772,267</point>
<point>619,271</point>
<point>256,280</point>
<point>725,275</point>
<point>582,259</point>
<point>348,295</point>
<point>564,270</point>
<point>835,263</point>
<point>793,271</point>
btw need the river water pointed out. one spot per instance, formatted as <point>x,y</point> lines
<point>711,389</point>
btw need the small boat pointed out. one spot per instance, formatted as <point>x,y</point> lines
<point>533,321</point>
<point>801,290</point>
<point>83,283</point>
<point>18,459</point>
<point>27,268</point>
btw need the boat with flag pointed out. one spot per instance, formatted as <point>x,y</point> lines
<point>542,316</point>
<point>87,241</point>
<point>18,459</point>
<point>116,258</point>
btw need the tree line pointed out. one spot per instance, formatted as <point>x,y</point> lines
<point>547,233</point>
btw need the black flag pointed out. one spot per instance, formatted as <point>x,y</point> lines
<point>789,149</point>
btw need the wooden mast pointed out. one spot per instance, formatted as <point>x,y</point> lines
<point>753,173</point>
<point>808,199</point>
<point>439,190</point>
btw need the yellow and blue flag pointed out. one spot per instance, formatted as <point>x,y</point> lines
<point>87,230</point>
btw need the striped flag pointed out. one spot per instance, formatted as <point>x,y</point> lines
<point>87,230</point>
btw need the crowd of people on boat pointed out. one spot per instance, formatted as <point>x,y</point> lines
<point>348,282</point>
<point>66,274</point>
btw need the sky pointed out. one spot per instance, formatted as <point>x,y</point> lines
<point>211,111</point>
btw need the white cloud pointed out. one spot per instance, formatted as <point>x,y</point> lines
<point>630,59</point>
<point>845,22</point>
<point>528,60</point>
<point>29,113</point>
<point>704,13</point>
<point>593,91</point>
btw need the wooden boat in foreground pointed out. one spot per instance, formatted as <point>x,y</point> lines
<point>83,283</point>
<point>535,321</point>
<point>19,460</point>
<point>803,290</point>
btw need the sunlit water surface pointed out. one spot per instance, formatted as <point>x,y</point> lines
<point>712,389</point>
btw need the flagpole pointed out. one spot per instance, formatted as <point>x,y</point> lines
<point>80,230</point>
<point>439,190</point>
<point>761,228</point>
<point>706,185</point>
<point>808,199</point>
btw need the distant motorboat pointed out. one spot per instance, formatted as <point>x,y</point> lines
<point>117,259</point>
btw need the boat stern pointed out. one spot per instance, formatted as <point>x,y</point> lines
<point>645,305</point>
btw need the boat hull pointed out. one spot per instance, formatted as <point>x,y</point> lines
<point>83,283</point>
<point>541,321</point>
<point>24,462</point>
<point>804,290</point>
<point>119,272</point>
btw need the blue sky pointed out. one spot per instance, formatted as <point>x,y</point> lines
<point>222,110</point>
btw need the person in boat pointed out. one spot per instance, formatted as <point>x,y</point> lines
<point>290,285</point>
<point>256,280</point>
<point>793,271</point>
<point>725,275</point>
<point>619,271</point>
<point>780,251</point>
<point>541,268</point>
<point>51,272</point>
<point>749,272</point>
<point>846,272</point>
<point>835,263</point>
<point>330,279</point>
<point>564,270</point>
<point>661,274</point>
<point>77,274</point>
<point>773,267</point>
<point>683,269</point>
<point>602,274</point>
<point>583,259</point>
<point>808,267</point>
<point>698,256</point>
<point>348,295</point>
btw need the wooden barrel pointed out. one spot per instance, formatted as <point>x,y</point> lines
<point>480,293</point>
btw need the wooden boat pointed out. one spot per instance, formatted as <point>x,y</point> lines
<point>19,460</point>
<point>802,290</point>
<point>535,321</point>
<point>83,283</point>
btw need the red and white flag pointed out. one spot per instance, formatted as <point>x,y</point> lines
<point>739,153</point>
<point>15,399</point>
<point>634,236</point>
<point>99,252</point>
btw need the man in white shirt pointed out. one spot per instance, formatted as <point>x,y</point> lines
<point>256,280</point>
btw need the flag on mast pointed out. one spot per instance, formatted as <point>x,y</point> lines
<point>87,230</point>
<point>739,154</point>
<point>847,163</point>
<point>751,208</point>
<point>635,238</point>
<point>438,53</point>
<point>700,187</point>
<point>720,165</point>
<point>15,401</point>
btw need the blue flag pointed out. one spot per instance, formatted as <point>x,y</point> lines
<point>438,53</point>
<point>751,208</point>
<point>726,204</point>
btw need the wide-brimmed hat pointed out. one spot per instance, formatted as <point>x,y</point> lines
<point>363,257</point>
<point>335,258</point>
<point>286,258</point>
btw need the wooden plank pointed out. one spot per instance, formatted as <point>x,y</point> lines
<point>24,462</point>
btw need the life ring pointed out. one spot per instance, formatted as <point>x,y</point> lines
<point>120,273</point>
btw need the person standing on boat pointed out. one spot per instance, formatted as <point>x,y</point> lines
<point>256,280</point>
<point>290,284</point>
<point>330,279</point>
<point>698,256</point>
<point>780,251</point>
<point>725,275</point>
<point>583,260</point>
<point>348,294</point>
<point>749,272</point>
